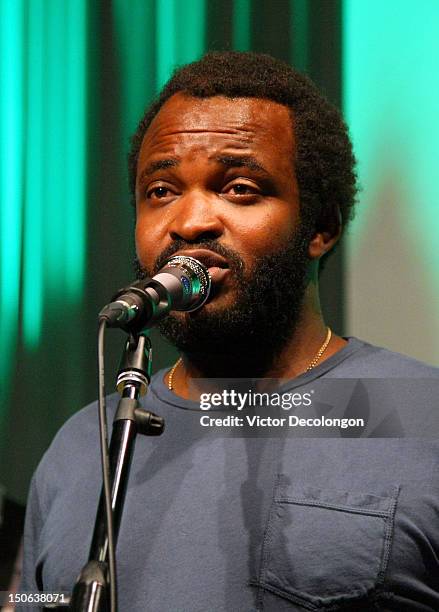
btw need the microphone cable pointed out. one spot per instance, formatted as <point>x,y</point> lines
<point>105,464</point>
<point>182,284</point>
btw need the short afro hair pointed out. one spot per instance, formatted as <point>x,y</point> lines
<point>323,160</point>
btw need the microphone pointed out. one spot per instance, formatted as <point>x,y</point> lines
<point>182,284</point>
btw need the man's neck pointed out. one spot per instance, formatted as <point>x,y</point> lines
<point>292,360</point>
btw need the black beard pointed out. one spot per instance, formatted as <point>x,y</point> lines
<point>244,339</point>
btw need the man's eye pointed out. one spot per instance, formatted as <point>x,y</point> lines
<point>243,189</point>
<point>157,193</point>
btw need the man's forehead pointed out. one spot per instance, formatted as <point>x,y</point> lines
<point>246,118</point>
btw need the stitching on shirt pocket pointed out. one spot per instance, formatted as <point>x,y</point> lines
<point>325,547</point>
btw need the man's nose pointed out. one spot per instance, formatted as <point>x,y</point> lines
<point>196,217</point>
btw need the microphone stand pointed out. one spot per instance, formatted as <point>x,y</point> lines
<point>182,284</point>
<point>90,593</point>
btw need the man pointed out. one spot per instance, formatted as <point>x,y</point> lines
<point>243,165</point>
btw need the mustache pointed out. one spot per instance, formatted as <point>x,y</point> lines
<point>233,258</point>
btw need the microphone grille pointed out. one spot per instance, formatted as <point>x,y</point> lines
<point>196,275</point>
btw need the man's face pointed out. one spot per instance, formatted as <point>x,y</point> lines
<point>215,180</point>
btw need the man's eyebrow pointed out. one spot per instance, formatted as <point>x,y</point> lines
<point>241,161</point>
<point>159,164</point>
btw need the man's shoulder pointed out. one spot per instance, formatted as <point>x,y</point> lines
<point>85,421</point>
<point>78,437</point>
<point>371,361</point>
<point>76,441</point>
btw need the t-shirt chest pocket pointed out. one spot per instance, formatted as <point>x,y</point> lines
<point>324,549</point>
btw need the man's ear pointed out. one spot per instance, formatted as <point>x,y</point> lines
<point>327,235</point>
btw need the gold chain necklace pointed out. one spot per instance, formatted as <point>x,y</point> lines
<point>172,372</point>
<point>312,364</point>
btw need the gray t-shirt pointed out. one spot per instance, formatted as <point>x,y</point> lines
<point>221,519</point>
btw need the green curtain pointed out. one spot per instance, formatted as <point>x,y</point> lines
<point>75,77</point>
<point>391,90</point>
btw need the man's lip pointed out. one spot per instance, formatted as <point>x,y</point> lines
<point>208,258</point>
<point>218,274</point>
